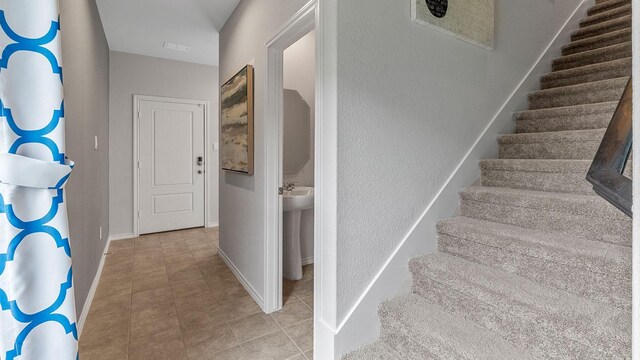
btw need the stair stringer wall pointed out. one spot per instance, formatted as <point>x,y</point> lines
<point>362,324</point>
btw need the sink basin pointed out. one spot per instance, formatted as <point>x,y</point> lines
<point>300,198</point>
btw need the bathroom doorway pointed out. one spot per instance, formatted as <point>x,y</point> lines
<point>298,160</point>
<point>290,73</point>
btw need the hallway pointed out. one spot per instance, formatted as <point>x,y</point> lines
<point>170,296</point>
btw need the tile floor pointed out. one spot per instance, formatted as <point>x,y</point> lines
<point>170,296</point>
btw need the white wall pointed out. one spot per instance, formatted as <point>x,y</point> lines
<point>242,42</point>
<point>142,75</point>
<point>299,74</point>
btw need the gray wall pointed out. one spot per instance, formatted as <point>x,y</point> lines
<point>85,56</point>
<point>411,101</point>
<point>143,75</point>
<point>242,42</point>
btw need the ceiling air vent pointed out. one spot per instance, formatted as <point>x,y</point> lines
<point>176,47</point>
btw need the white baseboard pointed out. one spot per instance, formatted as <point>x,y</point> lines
<point>250,289</point>
<point>92,290</point>
<point>361,325</point>
<point>213,224</point>
<point>121,237</point>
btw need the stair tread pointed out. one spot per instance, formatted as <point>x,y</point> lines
<point>585,215</point>
<point>612,13</point>
<point>593,53</point>
<point>565,118</point>
<point>553,201</point>
<point>614,83</point>
<point>561,111</point>
<point>606,5</point>
<point>446,334</point>
<point>624,63</point>
<point>603,27</point>
<point>553,175</point>
<point>552,136</point>
<point>585,93</point>
<point>595,56</point>
<point>537,165</point>
<point>598,41</point>
<point>597,256</point>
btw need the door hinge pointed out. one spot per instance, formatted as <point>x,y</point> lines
<point>138,164</point>
<point>138,114</point>
<point>138,214</point>
<point>280,190</point>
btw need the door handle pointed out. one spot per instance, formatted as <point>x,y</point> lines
<point>200,161</point>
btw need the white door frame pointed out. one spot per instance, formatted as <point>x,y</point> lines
<point>136,152</point>
<point>321,16</point>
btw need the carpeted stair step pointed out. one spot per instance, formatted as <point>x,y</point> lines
<point>577,117</point>
<point>587,93</point>
<point>567,176</point>
<point>596,42</point>
<point>378,350</point>
<point>595,270</point>
<point>607,15</point>
<point>600,55</point>
<point>586,216</point>
<point>588,73</point>
<point>435,333</point>
<point>552,323</point>
<point>574,144</point>
<point>606,6</point>
<point>602,28</point>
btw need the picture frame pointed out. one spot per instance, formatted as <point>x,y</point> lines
<point>236,122</point>
<point>469,21</point>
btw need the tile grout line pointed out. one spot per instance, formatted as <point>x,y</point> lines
<point>175,307</point>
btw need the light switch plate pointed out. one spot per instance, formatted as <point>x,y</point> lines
<point>216,146</point>
<point>95,142</point>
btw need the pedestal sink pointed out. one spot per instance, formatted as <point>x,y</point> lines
<point>294,202</point>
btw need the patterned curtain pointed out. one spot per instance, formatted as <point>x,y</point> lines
<point>37,307</point>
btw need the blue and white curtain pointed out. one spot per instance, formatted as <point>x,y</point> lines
<point>37,309</point>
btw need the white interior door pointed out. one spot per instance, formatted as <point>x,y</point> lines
<point>171,167</point>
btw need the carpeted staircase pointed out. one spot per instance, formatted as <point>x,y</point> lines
<point>536,266</point>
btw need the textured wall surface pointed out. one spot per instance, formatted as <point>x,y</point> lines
<point>85,55</point>
<point>143,75</point>
<point>242,42</point>
<point>411,102</point>
<point>471,21</point>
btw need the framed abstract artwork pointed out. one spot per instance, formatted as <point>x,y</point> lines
<point>470,21</point>
<point>236,122</point>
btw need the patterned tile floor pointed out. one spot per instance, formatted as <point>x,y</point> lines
<point>170,296</point>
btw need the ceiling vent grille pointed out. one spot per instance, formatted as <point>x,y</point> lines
<point>176,47</point>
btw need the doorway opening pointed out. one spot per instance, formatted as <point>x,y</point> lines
<point>292,38</point>
<point>298,160</point>
<point>170,164</point>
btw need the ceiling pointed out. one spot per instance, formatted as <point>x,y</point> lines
<point>143,26</point>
